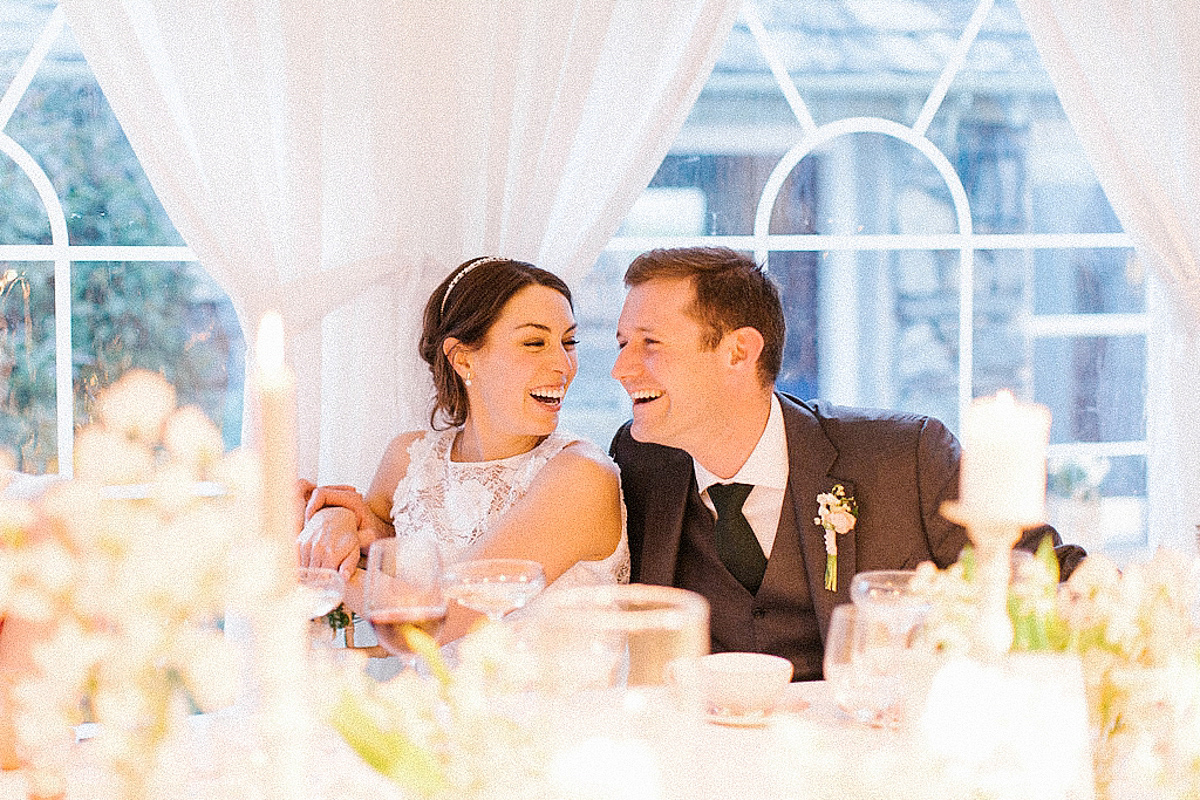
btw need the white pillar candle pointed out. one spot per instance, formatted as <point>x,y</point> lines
<point>1003,473</point>
<point>277,666</point>
<point>277,426</point>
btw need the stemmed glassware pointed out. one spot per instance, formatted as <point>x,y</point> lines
<point>494,586</point>
<point>875,659</point>
<point>404,590</point>
<point>320,591</point>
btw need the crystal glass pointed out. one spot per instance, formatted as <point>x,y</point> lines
<point>403,590</point>
<point>876,662</point>
<point>494,586</point>
<point>321,590</point>
<point>595,637</point>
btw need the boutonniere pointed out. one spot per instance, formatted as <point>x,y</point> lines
<point>838,513</point>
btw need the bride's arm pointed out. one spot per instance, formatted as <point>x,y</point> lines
<point>571,513</point>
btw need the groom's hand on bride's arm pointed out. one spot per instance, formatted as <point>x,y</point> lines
<point>329,539</point>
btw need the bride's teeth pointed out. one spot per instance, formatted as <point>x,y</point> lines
<point>549,395</point>
<point>645,394</point>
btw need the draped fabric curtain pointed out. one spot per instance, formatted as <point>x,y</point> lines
<point>1129,81</point>
<point>337,160</point>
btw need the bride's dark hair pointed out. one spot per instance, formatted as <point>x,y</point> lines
<point>465,306</point>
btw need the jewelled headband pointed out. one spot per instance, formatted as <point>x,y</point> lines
<point>464,271</point>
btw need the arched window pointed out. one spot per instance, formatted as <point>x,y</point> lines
<point>94,279</point>
<point>906,172</point>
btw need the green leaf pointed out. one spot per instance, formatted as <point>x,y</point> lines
<point>1046,557</point>
<point>426,647</point>
<point>388,751</point>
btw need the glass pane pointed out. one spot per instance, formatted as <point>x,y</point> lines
<point>851,58</point>
<point>67,126</point>
<point>28,428</point>
<point>1060,205</point>
<point>596,405</point>
<point>712,194</point>
<point>24,219</point>
<point>1109,281</point>
<point>873,329</point>
<point>1094,386</point>
<point>1098,502</point>
<point>999,343</point>
<point>864,183</point>
<point>21,22</point>
<point>166,317</point>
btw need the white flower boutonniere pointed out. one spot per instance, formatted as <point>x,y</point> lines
<point>838,513</point>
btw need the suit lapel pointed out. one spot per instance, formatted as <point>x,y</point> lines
<point>664,523</point>
<point>810,457</point>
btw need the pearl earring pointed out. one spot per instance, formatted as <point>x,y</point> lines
<point>467,379</point>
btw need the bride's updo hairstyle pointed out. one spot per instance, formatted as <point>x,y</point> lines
<point>464,307</point>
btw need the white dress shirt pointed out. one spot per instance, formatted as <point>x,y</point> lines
<point>767,470</point>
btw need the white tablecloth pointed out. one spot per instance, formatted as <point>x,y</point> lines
<point>804,749</point>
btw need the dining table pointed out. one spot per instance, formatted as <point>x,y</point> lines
<point>806,748</point>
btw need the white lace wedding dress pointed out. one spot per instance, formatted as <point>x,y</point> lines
<point>458,502</point>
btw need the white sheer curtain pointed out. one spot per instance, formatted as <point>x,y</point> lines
<point>1129,80</point>
<point>336,160</point>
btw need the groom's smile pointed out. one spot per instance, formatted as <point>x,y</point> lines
<point>673,380</point>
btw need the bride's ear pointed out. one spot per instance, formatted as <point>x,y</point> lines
<point>458,355</point>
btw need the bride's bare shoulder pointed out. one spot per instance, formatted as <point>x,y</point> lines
<point>584,458</point>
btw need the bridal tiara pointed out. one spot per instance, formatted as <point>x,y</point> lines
<point>464,271</point>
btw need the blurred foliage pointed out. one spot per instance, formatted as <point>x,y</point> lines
<point>165,317</point>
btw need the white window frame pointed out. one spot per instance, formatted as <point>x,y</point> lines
<point>60,252</point>
<point>966,242</point>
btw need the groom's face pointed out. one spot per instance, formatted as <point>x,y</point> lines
<point>675,382</point>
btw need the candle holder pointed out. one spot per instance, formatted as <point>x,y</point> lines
<point>993,535</point>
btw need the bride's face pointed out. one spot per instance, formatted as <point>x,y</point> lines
<point>521,372</point>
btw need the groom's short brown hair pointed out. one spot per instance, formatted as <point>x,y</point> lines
<point>732,292</point>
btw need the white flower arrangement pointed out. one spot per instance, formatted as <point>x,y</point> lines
<point>1135,633</point>
<point>444,735</point>
<point>125,569</point>
<point>837,513</point>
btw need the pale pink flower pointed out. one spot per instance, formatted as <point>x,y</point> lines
<point>842,521</point>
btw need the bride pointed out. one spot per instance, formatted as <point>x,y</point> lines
<point>495,477</point>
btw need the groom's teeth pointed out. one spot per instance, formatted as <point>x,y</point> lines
<point>645,395</point>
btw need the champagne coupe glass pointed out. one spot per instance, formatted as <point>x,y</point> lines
<point>495,586</point>
<point>404,590</point>
<point>320,590</point>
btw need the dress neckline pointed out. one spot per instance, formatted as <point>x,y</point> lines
<point>454,433</point>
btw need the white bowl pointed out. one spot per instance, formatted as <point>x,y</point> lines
<point>743,684</point>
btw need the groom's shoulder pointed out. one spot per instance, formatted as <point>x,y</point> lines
<point>859,423</point>
<point>647,458</point>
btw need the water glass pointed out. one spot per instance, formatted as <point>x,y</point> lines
<point>596,637</point>
<point>876,662</point>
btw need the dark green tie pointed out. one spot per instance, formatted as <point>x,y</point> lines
<point>737,545</point>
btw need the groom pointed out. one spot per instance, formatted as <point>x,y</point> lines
<point>701,337</point>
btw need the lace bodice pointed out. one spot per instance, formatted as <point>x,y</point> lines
<point>458,502</point>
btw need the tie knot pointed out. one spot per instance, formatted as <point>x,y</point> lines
<point>728,498</point>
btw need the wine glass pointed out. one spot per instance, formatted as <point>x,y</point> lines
<point>495,586</point>
<point>403,591</point>
<point>319,590</point>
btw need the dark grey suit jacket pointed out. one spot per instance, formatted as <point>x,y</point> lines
<point>899,467</point>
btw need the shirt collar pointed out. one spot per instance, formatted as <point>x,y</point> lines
<point>768,462</point>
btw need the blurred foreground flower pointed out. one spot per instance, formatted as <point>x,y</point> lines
<point>127,570</point>
<point>1136,636</point>
<point>448,733</point>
